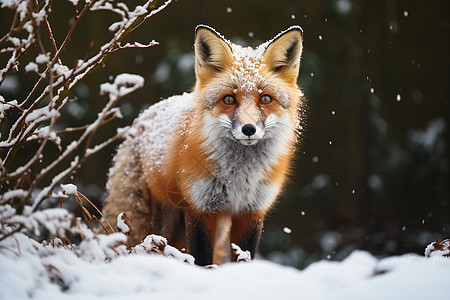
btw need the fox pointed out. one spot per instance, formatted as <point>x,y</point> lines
<point>204,168</point>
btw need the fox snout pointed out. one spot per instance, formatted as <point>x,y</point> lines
<point>248,128</point>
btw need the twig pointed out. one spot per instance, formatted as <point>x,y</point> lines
<point>95,218</point>
<point>13,105</point>
<point>92,204</point>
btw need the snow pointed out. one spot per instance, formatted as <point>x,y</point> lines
<point>156,124</point>
<point>247,65</point>
<point>123,84</point>
<point>429,249</point>
<point>438,249</point>
<point>101,267</point>
<point>43,132</point>
<point>242,256</point>
<point>158,244</point>
<point>121,225</point>
<point>61,70</point>
<point>43,58</point>
<point>31,67</point>
<point>69,188</point>
<point>16,193</point>
<point>37,113</point>
<point>44,272</point>
<point>74,2</point>
<point>4,106</point>
<point>20,6</point>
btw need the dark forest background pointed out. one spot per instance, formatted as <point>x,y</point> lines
<point>373,166</point>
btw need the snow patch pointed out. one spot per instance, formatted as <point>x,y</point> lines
<point>32,67</point>
<point>123,84</point>
<point>42,58</point>
<point>4,106</point>
<point>242,256</point>
<point>438,249</point>
<point>69,188</point>
<point>154,128</point>
<point>122,223</point>
<point>158,244</point>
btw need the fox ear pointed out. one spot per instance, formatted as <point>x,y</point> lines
<point>212,52</point>
<point>282,55</point>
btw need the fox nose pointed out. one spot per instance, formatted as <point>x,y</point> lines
<point>248,130</point>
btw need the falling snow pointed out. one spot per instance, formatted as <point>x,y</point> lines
<point>287,230</point>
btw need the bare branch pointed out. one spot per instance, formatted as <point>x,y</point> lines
<point>135,45</point>
<point>37,115</point>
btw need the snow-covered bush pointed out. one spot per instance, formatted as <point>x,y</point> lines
<point>34,121</point>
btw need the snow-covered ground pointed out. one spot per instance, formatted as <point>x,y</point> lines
<point>43,272</point>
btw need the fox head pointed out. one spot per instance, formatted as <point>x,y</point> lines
<point>248,95</point>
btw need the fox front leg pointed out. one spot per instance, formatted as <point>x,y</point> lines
<point>246,232</point>
<point>200,233</point>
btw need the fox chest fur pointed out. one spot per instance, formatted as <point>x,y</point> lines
<point>220,152</point>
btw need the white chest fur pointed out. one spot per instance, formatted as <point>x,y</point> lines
<point>241,183</point>
<point>236,189</point>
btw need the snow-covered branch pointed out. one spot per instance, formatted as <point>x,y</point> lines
<point>35,120</point>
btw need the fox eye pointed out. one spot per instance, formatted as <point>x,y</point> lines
<point>265,99</point>
<point>229,100</point>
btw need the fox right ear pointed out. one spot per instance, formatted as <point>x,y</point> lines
<point>283,53</point>
<point>212,52</point>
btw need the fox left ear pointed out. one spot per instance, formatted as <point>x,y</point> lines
<point>282,55</point>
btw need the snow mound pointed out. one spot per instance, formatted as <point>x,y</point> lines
<point>44,272</point>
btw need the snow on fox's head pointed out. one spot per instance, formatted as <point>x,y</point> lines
<point>248,89</point>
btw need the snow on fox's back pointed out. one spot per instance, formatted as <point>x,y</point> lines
<point>156,125</point>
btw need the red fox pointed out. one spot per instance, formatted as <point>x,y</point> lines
<point>203,168</point>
